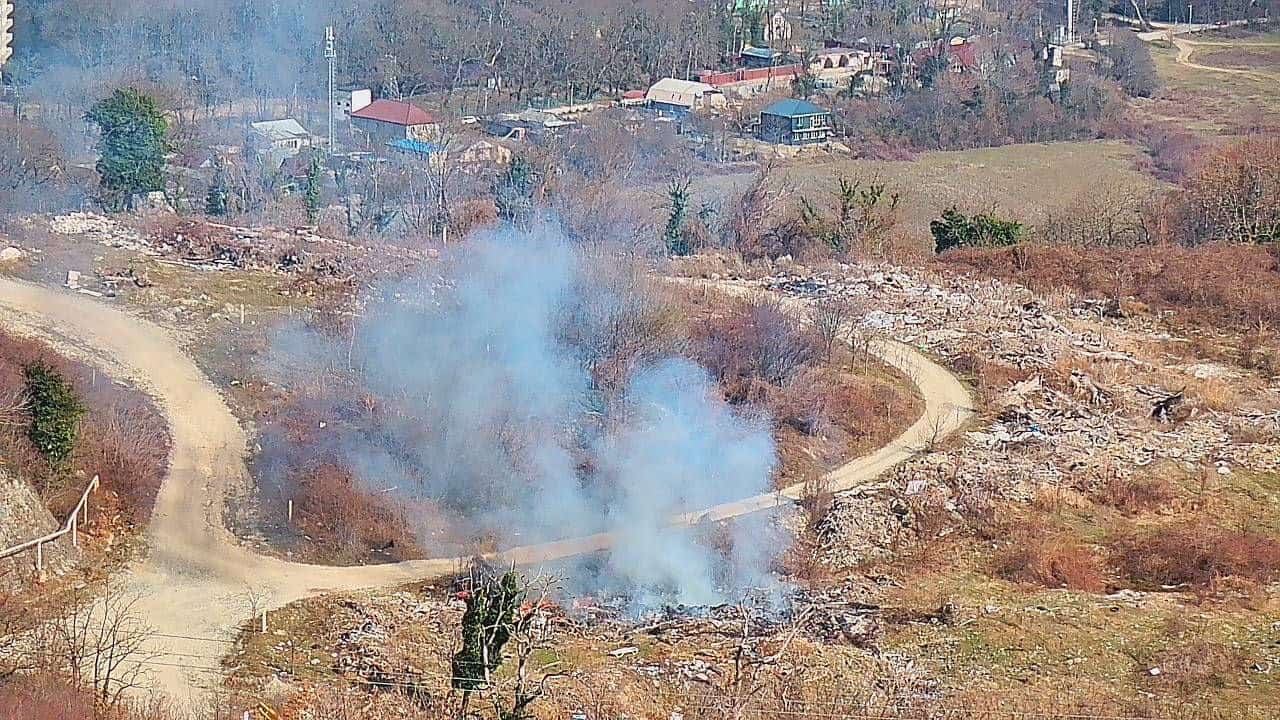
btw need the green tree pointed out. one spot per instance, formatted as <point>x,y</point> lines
<point>955,229</point>
<point>676,235</point>
<point>133,141</point>
<point>513,193</point>
<point>215,201</point>
<point>55,412</point>
<point>311,197</point>
<point>487,625</point>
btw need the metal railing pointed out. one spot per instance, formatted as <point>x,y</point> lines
<point>72,527</point>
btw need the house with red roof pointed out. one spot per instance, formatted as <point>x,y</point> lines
<point>384,121</point>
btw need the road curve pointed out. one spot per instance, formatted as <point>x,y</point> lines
<point>198,584</point>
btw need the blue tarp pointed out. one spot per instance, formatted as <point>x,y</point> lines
<point>416,147</point>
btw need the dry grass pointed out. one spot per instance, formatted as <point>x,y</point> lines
<point>1194,552</point>
<point>1025,182</point>
<point>1042,555</point>
<point>1136,495</point>
<point>1211,102</point>
<point>45,697</point>
<point>1233,285</point>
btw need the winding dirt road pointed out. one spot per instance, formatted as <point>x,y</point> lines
<point>1187,47</point>
<point>197,582</point>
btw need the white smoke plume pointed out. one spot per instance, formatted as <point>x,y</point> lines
<point>491,352</point>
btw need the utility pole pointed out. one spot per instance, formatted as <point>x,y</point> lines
<point>331,54</point>
<point>6,34</point>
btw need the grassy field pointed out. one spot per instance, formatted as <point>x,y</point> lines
<point>1217,102</point>
<point>1023,182</point>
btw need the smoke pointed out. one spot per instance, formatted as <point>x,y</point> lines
<point>490,370</point>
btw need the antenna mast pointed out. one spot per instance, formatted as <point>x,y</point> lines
<point>331,54</point>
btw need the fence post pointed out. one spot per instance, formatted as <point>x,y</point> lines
<point>75,521</point>
<point>39,558</point>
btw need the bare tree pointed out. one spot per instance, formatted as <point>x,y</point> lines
<point>830,317</point>
<point>748,676</point>
<point>103,644</point>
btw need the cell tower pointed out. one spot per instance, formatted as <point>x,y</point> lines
<point>6,34</point>
<point>330,54</point>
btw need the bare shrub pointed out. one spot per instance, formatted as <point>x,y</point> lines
<point>345,520</point>
<point>1236,285</point>
<point>1043,556</point>
<point>122,438</point>
<point>760,340</point>
<point>1199,665</point>
<point>1113,215</point>
<point>1194,553</point>
<point>1136,495</point>
<point>1234,194</point>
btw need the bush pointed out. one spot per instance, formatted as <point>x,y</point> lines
<point>1136,495</point>
<point>1234,285</point>
<point>1234,194</point>
<point>55,412</point>
<point>1194,553</point>
<point>955,229</point>
<point>1055,559</point>
<point>347,521</point>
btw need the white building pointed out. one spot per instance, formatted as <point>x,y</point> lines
<point>683,96</point>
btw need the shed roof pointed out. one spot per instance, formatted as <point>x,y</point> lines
<point>761,52</point>
<point>280,130</point>
<point>396,113</point>
<point>793,107</point>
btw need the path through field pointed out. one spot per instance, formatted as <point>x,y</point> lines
<point>198,584</point>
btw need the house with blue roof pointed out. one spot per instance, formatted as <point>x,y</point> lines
<point>795,122</point>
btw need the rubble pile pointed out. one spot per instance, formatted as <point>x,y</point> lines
<point>208,246</point>
<point>1081,415</point>
<point>102,230</point>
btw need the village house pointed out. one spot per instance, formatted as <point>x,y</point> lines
<point>352,98</point>
<point>278,140</point>
<point>683,96</point>
<point>840,58</point>
<point>530,121</point>
<point>384,121</point>
<point>761,57</point>
<point>794,122</point>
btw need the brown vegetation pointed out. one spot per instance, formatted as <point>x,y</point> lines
<point>1136,495</point>
<point>348,522</point>
<point>1215,283</point>
<point>1045,556</point>
<point>1194,552</point>
<point>122,438</point>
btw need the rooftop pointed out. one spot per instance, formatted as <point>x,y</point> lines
<point>396,113</point>
<point>280,130</point>
<point>793,108</point>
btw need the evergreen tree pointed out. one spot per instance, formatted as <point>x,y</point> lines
<point>215,201</point>
<point>676,237</point>
<point>312,194</point>
<point>55,412</point>
<point>514,191</point>
<point>133,141</point>
<point>487,625</point>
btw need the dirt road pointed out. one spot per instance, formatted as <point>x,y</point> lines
<point>1186,48</point>
<point>198,584</point>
